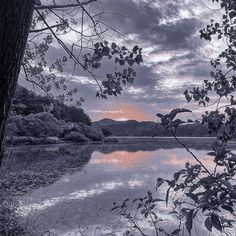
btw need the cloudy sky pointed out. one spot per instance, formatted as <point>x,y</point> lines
<point>174,56</point>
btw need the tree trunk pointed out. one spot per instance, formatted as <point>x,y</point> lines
<point>15,20</point>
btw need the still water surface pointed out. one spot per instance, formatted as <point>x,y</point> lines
<point>79,203</point>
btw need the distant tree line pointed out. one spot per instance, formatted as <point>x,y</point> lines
<point>149,128</point>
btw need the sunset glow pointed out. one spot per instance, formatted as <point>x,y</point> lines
<point>121,159</point>
<point>122,112</point>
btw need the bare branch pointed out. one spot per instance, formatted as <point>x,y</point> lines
<point>68,51</point>
<point>35,83</point>
<point>46,28</point>
<point>76,31</point>
<point>51,7</point>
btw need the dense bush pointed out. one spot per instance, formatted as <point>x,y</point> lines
<point>34,125</point>
<point>75,137</point>
<point>76,131</point>
<point>27,102</point>
<point>71,114</point>
<point>106,131</point>
<point>94,134</point>
<point>25,129</point>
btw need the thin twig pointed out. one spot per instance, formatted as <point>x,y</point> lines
<point>68,50</point>
<point>63,6</point>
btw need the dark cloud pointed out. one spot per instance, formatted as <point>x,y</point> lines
<point>148,22</point>
<point>166,29</point>
<point>159,25</point>
<point>197,68</point>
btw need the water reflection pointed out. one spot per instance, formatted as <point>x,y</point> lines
<point>82,200</point>
<point>120,159</point>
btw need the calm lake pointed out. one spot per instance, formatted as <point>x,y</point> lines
<point>78,202</point>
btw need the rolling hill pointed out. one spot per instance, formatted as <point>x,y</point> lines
<point>148,128</point>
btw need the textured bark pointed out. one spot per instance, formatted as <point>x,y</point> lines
<point>15,20</point>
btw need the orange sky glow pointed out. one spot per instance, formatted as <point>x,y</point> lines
<point>121,159</point>
<point>125,111</point>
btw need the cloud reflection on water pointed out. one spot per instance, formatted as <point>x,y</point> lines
<point>109,176</point>
<point>121,159</point>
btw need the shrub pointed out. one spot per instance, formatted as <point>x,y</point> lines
<point>75,137</point>
<point>106,131</point>
<point>94,134</point>
<point>34,125</point>
<point>26,102</point>
<point>10,219</point>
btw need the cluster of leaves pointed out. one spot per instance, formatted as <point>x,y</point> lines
<point>146,209</point>
<point>112,85</point>
<point>210,193</point>
<point>34,125</point>
<point>168,121</point>
<point>198,190</point>
<point>223,82</point>
<point>48,74</point>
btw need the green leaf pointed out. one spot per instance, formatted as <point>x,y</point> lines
<point>216,222</point>
<point>228,208</point>
<point>123,48</point>
<point>176,176</point>
<point>174,112</point>
<point>208,224</point>
<point>130,80</point>
<point>149,196</point>
<point>158,200</point>
<point>96,45</point>
<point>114,208</point>
<point>189,221</point>
<point>226,183</point>
<point>211,153</point>
<point>159,115</point>
<point>232,158</point>
<point>122,62</point>
<point>176,232</point>
<point>113,46</point>
<point>143,211</point>
<point>167,196</point>
<point>135,49</point>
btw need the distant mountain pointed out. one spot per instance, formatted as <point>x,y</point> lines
<point>148,128</point>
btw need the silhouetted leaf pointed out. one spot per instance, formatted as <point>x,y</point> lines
<point>228,208</point>
<point>211,153</point>
<point>176,175</point>
<point>167,196</point>
<point>189,221</point>
<point>174,112</point>
<point>208,224</point>
<point>216,222</point>
<point>175,232</point>
<point>114,208</point>
<point>159,115</point>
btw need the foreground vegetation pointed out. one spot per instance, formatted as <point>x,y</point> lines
<point>28,168</point>
<point>196,192</point>
<point>40,120</point>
